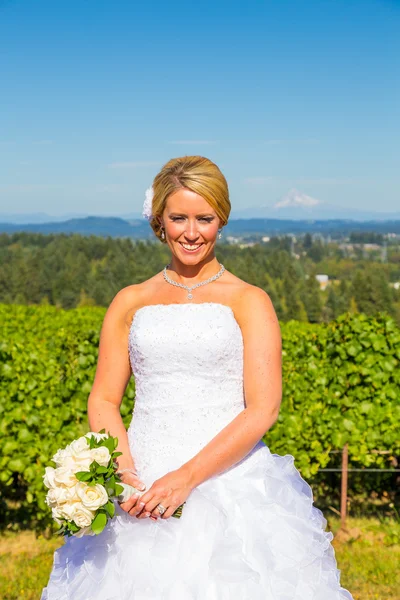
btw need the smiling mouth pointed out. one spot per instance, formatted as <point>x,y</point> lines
<point>190,246</point>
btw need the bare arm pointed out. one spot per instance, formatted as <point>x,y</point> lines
<point>263,392</point>
<point>112,376</point>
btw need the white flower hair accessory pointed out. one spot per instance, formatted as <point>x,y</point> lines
<point>147,205</point>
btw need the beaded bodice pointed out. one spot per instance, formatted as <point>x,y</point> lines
<point>187,361</point>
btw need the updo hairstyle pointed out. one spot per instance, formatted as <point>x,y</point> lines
<point>195,173</point>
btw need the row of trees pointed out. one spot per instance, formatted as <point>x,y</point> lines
<point>73,270</point>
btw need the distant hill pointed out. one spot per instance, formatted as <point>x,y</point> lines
<point>103,226</point>
<point>140,229</point>
<point>333,227</point>
<point>293,206</point>
<point>41,217</point>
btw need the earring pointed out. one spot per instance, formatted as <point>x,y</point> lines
<point>162,234</point>
<point>219,234</point>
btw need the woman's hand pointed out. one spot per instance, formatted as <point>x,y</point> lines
<point>171,491</point>
<point>134,505</point>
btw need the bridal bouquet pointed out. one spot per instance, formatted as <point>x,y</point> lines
<point>82,487</point>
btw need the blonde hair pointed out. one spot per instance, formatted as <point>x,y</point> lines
<point>195,173</point>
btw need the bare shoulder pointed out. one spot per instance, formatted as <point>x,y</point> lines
<point>127,300</point>
<point>253,306</point>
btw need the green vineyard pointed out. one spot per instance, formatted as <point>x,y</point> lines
<point>341,384</point>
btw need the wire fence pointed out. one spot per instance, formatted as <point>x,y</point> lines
<point>345,470</point>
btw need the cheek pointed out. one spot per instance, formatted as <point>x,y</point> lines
<point>210,231</point>
<point>174,230</point>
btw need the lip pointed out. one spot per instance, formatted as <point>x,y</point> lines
<point>190,251</point>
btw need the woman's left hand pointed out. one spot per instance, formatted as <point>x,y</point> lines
<point>171,491</point>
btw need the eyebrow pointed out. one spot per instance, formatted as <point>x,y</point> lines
<point>178,214</point>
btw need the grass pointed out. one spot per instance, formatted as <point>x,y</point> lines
<point>367,553</point>
<point>368,556</point>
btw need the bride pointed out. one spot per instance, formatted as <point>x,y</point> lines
<point>205,350</point>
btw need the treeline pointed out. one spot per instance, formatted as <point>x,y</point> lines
<point>71,271</point>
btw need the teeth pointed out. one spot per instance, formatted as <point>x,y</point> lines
<point>191,247</point>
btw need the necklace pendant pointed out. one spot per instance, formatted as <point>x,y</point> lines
<point>190,295</point>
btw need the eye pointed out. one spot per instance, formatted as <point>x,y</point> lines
<point>176,218</point>
<point>207,219</point>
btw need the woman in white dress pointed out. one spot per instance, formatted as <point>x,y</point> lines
<point>205,350</point>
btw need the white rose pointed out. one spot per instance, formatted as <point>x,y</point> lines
<point>79,447</point>
<point>65,476</point>
<point>62,456</point>
<point>48,477</point>
<point>92,496</point>
<point>81,515</point>
<point>66,510</point>
<point>73,463</point>
<point>57,516</point>
<point>81,463</point>
<point>61,494</point>
<point>53,496</point>
<point>97,436</point>
<point>101,455</point>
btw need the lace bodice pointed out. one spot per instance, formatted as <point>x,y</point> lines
<point>187,361</point>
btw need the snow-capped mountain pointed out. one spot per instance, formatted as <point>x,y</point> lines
<point>295,199</point>
<point>296,205</point>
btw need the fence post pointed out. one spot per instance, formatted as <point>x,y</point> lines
<point>343,499</point>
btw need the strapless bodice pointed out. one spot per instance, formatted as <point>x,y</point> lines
<point>187,361</point>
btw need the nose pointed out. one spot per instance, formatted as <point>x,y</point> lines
<point>191,232</point>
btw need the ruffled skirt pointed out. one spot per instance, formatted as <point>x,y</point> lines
<point>250,533</point>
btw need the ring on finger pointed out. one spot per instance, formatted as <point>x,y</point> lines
<point>161,509</point>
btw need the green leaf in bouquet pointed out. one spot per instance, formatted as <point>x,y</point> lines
<point>118,489</point>
<point>178,513</point>
<point>115,454</point>
<point>61,531</point>
<point>101,470</point>
<point>110,508</point>
<point>83,475</point>
<point>109,444</point>
<point>73,527</point>
<point>99,522</point>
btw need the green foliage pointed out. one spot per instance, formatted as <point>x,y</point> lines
<point>48,359</point>
<point>363,355</point>
<point>341,383</point>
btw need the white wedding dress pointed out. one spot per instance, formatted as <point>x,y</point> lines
<point>249,533</point>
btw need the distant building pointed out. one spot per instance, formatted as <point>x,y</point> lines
<point>323,280</point>
<point>231,239</point>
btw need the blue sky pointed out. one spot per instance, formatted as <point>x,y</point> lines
<point>96,96</point>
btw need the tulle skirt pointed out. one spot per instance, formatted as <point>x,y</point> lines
<point>250,533</point>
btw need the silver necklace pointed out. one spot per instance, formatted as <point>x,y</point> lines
<point>189,288</point>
